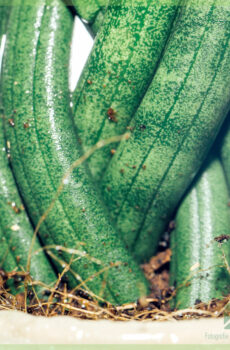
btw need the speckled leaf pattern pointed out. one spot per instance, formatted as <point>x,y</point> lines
<point>118,72</point>
<point>16,231</point>
<point>43,146</point>
<point>88,10</point>
<point>199,270</point>
<point>173,128</point>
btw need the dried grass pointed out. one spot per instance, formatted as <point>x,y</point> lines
<point>84,304</point>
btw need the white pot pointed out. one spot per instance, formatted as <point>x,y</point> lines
<point>20,328</point>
